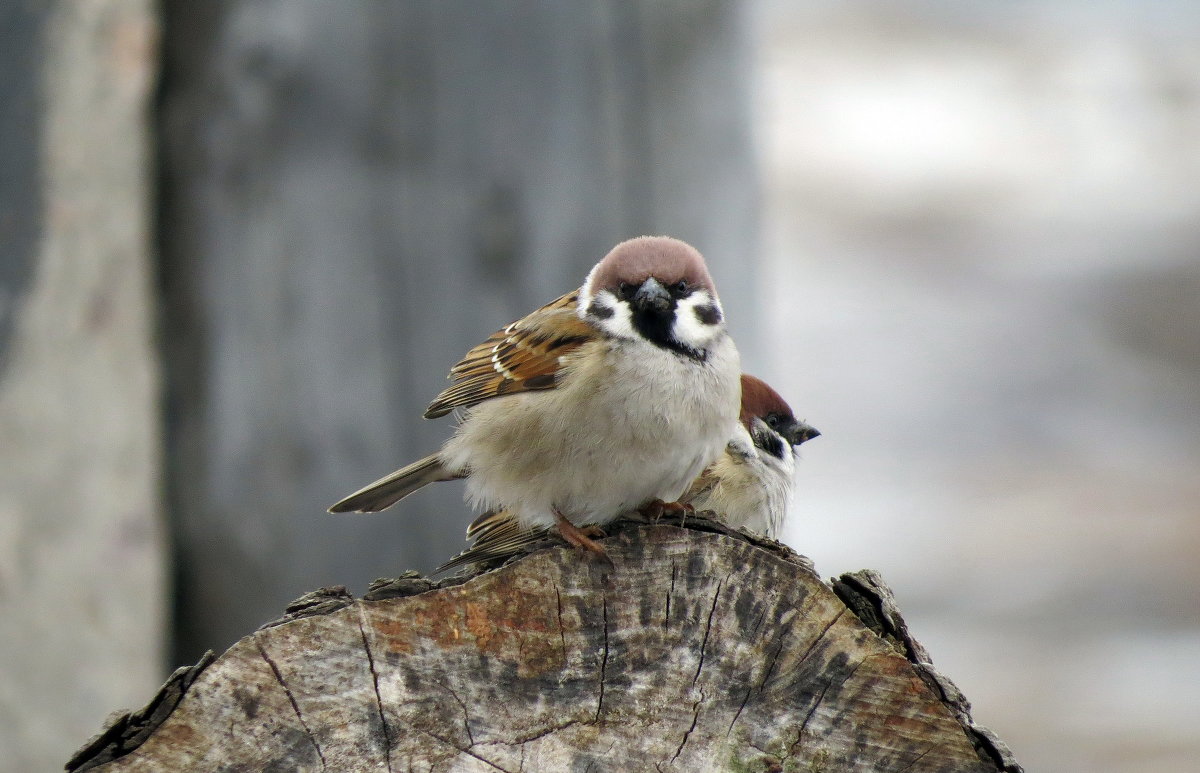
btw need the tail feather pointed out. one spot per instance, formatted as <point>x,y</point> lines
<point>498,535</point>
<point>390,489</point>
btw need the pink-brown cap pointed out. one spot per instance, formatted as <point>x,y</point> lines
<point>635,260</point>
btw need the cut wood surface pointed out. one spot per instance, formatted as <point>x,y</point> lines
<point>697,649</point>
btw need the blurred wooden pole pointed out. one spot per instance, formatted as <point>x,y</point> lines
<point>695,651</point>
<point>353,195</point>
<point>81,536</point>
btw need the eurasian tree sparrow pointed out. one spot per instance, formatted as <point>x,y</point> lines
<point>603,400</point>
<point>749,485</point>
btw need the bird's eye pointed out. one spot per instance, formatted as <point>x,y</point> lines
<point>625,290</point>
<point>773,421</point>
<point>681,286</point>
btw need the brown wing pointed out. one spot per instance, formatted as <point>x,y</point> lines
<point>522,357</point>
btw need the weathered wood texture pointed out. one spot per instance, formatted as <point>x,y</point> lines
<point>82,570</point>
<point>697,650</point>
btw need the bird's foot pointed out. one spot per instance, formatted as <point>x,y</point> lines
<point>655,509</point>
<point>581,537</point>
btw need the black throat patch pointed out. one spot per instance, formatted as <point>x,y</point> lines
<point>655,327</point>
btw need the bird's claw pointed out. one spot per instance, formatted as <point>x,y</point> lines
<point>655,509</point>
<point>582,538</point>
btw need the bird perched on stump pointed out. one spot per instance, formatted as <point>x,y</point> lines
<point>606,399</point>
<point>748,486</point>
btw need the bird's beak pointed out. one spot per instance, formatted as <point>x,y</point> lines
<point>652,296</point>
<point>800,433</point>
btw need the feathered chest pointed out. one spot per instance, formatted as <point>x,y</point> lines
<point>650,389</point>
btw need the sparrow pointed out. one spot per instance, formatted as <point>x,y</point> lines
<point>606,399</point>
<point>748,486</point>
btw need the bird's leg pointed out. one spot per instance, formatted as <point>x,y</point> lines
<point>655,509</point>
<point>580,537</point>
<point>688,509</point>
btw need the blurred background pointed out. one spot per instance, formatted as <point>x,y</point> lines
<point>241,243</point>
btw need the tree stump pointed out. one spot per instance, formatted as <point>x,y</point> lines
<point>697,649</point>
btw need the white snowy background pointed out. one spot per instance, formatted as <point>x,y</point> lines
<point>982,284</point>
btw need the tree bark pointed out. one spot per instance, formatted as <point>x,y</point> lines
<point>353,195</point>
<point>697,649</point>
<point>81,519</point>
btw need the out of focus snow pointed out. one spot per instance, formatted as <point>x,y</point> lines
<point>983,274</point>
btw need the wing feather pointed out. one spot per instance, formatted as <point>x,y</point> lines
<point>524,356</point>
<point>497,535</point>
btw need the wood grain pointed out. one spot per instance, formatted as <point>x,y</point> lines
<point>699,649</point>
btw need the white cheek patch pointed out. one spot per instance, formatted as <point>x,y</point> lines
<point>688,329</point>
<point>764,435</point>
<point>618,322</point>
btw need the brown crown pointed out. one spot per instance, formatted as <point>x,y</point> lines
<point>759,399</point>
<point>667,260</point>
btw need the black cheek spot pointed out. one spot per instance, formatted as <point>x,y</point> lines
<point>773,445</point>
<point>708,314</point>
<point>598,311</point>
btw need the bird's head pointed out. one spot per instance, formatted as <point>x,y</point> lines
<point>657,289</point>
<point>769,419</point>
